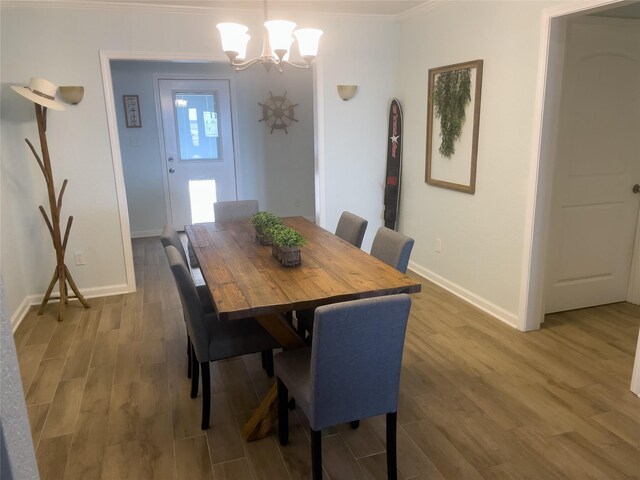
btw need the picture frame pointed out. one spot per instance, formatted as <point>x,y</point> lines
<point>132,111</point>
<point>453,123</point>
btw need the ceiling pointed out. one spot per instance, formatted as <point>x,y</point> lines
<point>354,7</point>
<point>389,8</point>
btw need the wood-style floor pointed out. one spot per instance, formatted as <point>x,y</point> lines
<point>108,396</point>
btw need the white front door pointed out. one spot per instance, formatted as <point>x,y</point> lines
<point>198,147</point>
<point>594,208</point>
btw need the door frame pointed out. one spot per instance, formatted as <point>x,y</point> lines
<point>106,56</point>
<point>538,209</point>
<point>234,127</point>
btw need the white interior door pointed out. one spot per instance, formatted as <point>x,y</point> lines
<point>198,147</point>
<point>594,210</point>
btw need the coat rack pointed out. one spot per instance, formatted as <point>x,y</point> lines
<point>42,93</point>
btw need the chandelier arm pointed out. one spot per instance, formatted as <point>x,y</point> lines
<point>239,66</point>
<point>302,66</point>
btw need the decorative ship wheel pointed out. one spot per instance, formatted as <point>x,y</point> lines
<point>277,112</point>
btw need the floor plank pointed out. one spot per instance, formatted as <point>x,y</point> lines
<point>108,396</point>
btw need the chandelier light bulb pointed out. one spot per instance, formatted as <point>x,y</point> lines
<point>280,35</point>
<point>285,57</point>
<point>242,54</point>
<point>308,41</point>
<point>234,38</point>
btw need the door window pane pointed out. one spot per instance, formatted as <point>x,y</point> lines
<point>202,194</point>
<point>197,124</point>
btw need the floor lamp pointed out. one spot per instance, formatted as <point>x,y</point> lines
<point>42,93</point>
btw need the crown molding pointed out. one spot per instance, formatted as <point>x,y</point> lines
<point>114,6</point>
<point>189,10</point>
<point>423,8</point>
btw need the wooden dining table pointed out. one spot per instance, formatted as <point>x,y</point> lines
<point>245,280</point>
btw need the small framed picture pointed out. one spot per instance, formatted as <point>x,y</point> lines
<point>132,111</point>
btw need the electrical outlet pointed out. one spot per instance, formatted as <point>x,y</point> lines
<point>438,245</point>
<point>298,203</point>
<point>79,258</point>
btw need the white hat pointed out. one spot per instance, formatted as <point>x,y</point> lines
<point>40,91</point>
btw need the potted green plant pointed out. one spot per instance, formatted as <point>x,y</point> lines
<point>287,243</point>
<point>262,221</point>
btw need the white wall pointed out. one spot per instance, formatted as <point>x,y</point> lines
<point>356,131</point>
<point>482,234</point>
<point>276,169</point>
<point>63,46</point>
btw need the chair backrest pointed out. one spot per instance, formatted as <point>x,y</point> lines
<point>170,237</point>
<point>199,333</point>
<point>392,248</point>
<point>236,210</point>
<point>356,356</point>
<point>351,228</point>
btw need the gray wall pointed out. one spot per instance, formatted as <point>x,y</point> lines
<point>276,169</point>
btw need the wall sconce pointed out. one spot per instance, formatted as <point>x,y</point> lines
<point>346,92</point>
<point>72,95</point>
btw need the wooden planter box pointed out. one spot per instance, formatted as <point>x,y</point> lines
<point>263,238</point>
<point>289,257</point>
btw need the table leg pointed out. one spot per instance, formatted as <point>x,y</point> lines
<point>263,418</point>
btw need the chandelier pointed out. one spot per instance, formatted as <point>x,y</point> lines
<point>276,44</point>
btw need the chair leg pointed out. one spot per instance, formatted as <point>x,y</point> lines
<point>195,375</point>
<point>263,358</point>
<point>355,424</point>
<point>188,357</point>
<point>283,413</point>
<point>206,395</point>
<point>316,454</point>
<point>392,463</point>
<point>268,354</point>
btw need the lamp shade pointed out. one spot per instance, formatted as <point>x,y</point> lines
<point>280,35</point>
<point>286,55</point>
<point>72,94</point>
<point>346,92</point>
<point>234,37</point>
<point>308,41</point>
<point>242,54</point>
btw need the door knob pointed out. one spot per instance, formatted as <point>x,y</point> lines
<point>171,170</point>
<point>636,188</point>
<point>170,159</point>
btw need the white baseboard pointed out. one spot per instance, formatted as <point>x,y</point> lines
<point>146,233</point>
<point>31,300</point>
<point>635,377</point>
<point>21,312</point>
<point>492,309</point>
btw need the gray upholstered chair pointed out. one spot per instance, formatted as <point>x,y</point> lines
<point>392,248</point>
<point>211,338</point>
<point>351,371</point>
<point>236,210</point>
<point>170,237</point>
<point>351,228</point>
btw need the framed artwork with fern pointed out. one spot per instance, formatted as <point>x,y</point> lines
<point>453,122</point>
